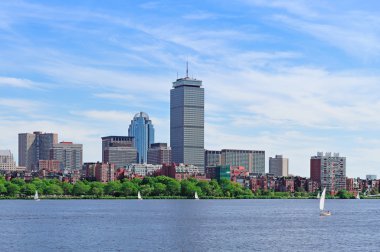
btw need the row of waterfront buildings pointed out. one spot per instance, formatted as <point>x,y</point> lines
<point>139,155</point>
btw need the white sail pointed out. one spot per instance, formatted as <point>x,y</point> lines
<point>322,200</point>
<point>358,196</point>
<point>318,196</point>
<point>196,195</point>
<point>36,195</point>
<point>139,196</point>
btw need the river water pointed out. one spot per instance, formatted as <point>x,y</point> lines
<point>188,225</point>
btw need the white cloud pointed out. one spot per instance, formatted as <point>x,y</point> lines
<point>106,116</point>
<point>20,105</point>
<point>16,82</point>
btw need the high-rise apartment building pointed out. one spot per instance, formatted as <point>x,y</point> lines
<point>35,147</point>
<point>118,150</point>
<point>141,128</point>
<point>69,155</point>
<point>332,170</point>
<point>315,167</point>
<point>6,161</point>
<point>251,160</point>
<point>159,153</point>
<point>213,158</point>
<point>279,166</point>
<point>187,122</point>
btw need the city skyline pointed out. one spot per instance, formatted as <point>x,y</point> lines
<point>287,78</point>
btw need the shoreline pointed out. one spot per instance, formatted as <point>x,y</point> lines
<point>86,197</point>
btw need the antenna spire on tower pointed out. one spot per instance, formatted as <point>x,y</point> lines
<point>187,69</point>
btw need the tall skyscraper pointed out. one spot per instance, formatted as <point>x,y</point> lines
<point>332,171</point>
<point>279,166</point>
<point>35,147</point>
<point>187,122</point>
<point>118,150</point>
<point>141,128</point>
<point>159,153</point>
<point>69,155</point>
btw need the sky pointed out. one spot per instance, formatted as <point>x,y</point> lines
<point>287,77</point>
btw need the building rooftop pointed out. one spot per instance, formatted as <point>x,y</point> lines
<point>141,114</point>
<point>187,81</point>
<point>5,153</point>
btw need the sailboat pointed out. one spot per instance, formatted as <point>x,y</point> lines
<point>36,196</point>
<point>318,196</point>
<point>139,196</point>
<point>196,196</point>
<point>357,196</point>
<point>322,204</point>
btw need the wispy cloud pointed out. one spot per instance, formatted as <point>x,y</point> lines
<point>105,115</point>
<point>200,16</point>
<point>16,82</point>
<point>20,105</point>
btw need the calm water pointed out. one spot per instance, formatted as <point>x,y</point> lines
<point>188,225</point>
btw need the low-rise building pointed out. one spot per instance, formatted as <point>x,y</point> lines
<point>182,171</point>
<point>49,165</point>
<point>104,172</point>
<point>142,170</point>
<point>218,172</point>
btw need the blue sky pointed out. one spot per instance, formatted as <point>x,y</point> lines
<point>287,77</point>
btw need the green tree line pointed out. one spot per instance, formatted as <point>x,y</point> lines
<point>149,186</point>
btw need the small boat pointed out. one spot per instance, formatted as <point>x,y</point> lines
<point>36,196</point>
<point>357,196</point>
<point>318,196</point>
<point>196,196</point>
<point>139,196</point>
<point>322,204</point>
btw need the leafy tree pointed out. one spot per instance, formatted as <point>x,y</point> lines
<point>3,189</point>
<point>40,184</point>
<point>188,188</point>
<point>18,181</point>
<point>113,188</point>
<point>28,189</point>
<point>129,188</point>
<point>173,187</point>
<point>344,194</point>
<point>146,190</point>
<point>205,187</point>
<point>12,189</point>
<point>216,191</point>
<point>136,181</point>
<point>96,188</point>
<point>159,189</point>
<point>67,188</point>
<point>53,189</point>
<point>80,188</point>
<point>148,181</point>
<point>227,187</point>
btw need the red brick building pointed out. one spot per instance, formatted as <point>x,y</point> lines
<point>315,169</point>
<point>49,165</point>
<point>104,172</point>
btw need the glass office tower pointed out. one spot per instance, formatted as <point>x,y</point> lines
<point>141,128</point>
